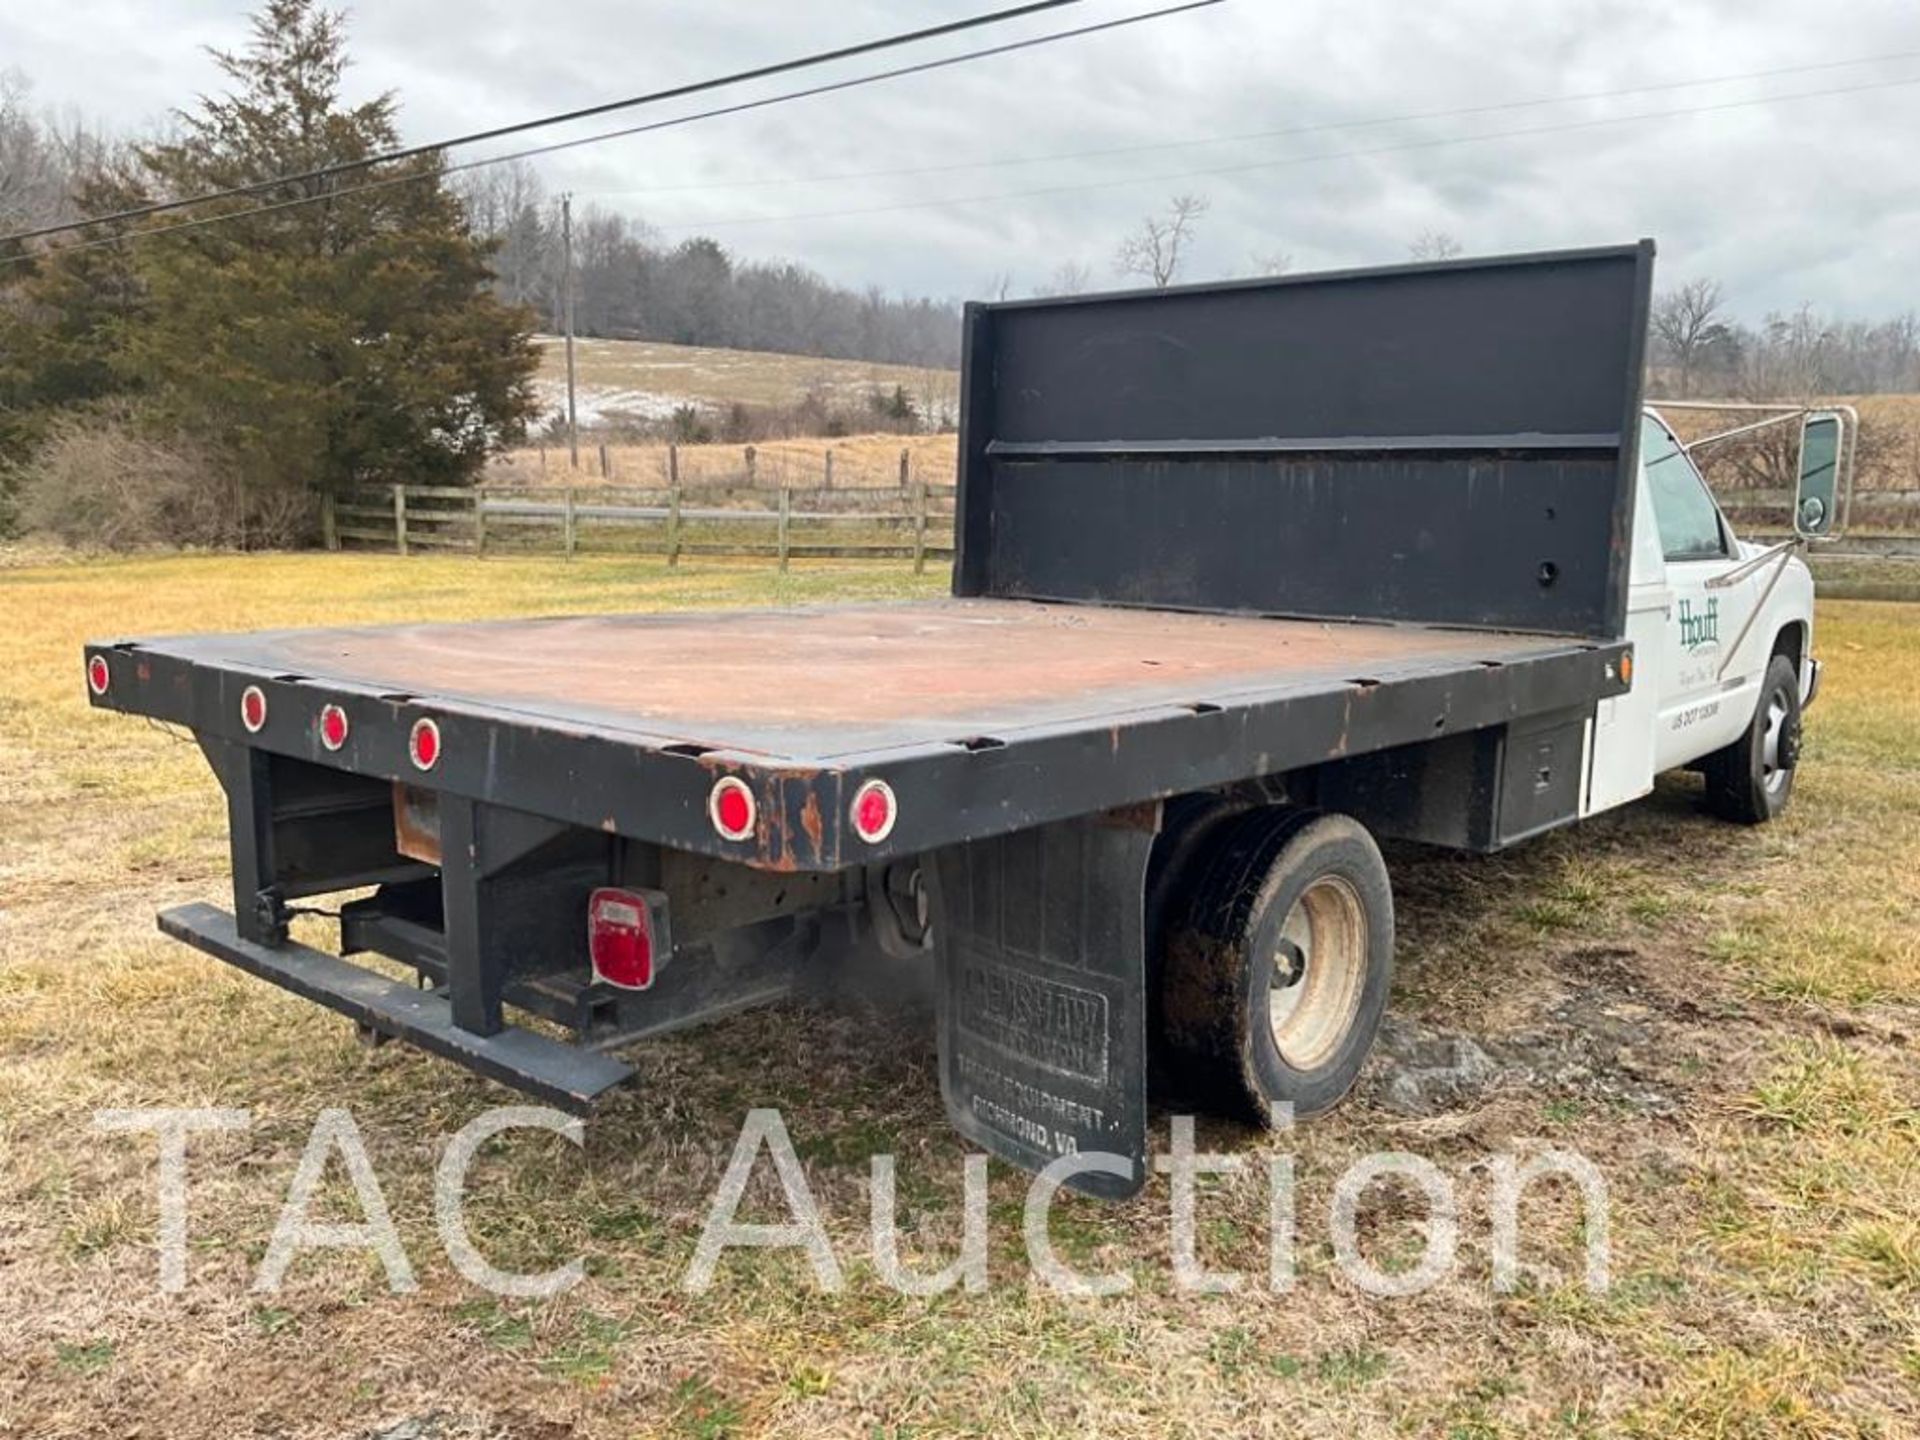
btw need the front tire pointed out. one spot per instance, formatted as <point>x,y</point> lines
<point>1277,964</point>
<point>1751,780</point>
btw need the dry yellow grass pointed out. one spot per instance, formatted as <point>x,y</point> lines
<point>859,462</point>
<point>1895,422</point>
<point>623,381</point>
<point>1767,1265</point>
<point>1889,458</point>
<point>639,379</point>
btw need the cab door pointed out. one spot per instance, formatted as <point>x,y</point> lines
<point>1622,767</point>
<point>1700,705</point>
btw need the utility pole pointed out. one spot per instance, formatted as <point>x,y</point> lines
<point>566,247</point>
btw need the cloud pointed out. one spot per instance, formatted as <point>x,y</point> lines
<point>1785,202</point>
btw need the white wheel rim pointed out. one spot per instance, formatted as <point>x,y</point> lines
<point>1772,774</point>
<point>1311,1016</point>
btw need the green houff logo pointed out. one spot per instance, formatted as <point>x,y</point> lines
<point>1699,627</point>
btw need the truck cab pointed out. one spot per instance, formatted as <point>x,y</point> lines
<point>1722,632</point>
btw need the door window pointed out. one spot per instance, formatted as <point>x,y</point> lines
<point>1689,521</point>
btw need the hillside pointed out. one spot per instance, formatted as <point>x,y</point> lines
<point>635,381</point>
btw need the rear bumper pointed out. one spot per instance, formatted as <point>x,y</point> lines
<point>563,1075</point>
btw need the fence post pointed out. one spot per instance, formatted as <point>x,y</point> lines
<point>400,518</point>
<point>906,467</point>
<point>750,467</point>
<point>606,467</point>
<point>479,524</point>
<point>567,521</point>
<point>329,523</point>
<point>829,468</point>
<point>786,508</point>
<point>920,527</point>
<point>673,504</point>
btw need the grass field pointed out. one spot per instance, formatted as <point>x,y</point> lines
<point>860,462</point>
<point>625,381</point>
<point>1888,455</point>
<point>1723,1020</point>
<point>641,380</point>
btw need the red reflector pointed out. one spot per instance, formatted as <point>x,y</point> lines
<point>874,811</point>
<point>424,744</point>
<point>98,676</point>
<point>730,806</point>
<point>253,708</point>
<point>620,938</point>
<point>333,726</point>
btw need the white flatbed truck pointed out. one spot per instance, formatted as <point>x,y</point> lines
<point>1247,575</point>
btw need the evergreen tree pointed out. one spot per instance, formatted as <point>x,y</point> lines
<point>60,327</point>
<point>349,340</point>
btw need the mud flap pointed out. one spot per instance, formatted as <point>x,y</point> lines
<point>1041,993</point>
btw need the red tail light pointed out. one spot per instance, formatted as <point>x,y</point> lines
<point>333,726</point>
<point>253,708</point>
<point>98,676</point>
<point>731,807</point>
<point>874,811</point>
<point>424,744</point>
<point>626,935</point>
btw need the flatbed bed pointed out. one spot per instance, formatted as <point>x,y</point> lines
<point>832,683</point>
<point>809,702</point>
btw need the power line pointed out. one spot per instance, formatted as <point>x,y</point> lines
<point>921,67</point>
<point>1084,187</point>
<point>1430,144</point>
<point>823,57</point>
<point>1108,152</point>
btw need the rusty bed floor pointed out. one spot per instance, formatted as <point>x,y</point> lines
<point>826,681</point>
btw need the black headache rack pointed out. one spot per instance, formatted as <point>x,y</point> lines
<point>1428,469</point>
<point>1450,444</point>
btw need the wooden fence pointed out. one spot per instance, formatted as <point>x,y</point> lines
<point>783,523</point>
<point>740,514</point>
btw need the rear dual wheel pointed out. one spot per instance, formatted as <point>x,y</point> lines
<point>1276,962</point>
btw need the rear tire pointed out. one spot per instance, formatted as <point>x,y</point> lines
<point>1277,963</point>
<point>1751,780</point>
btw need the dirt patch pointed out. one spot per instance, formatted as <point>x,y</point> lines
<point>1609,1030</point>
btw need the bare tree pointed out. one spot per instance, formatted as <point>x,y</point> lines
<point>1071,277</point>
<point>44,160</point>
<point>496,194</point>
<point>1435,245</point>
<point>505,204</point>
<point>630,284</point>
<point>1685,321</point>
<point>1154,251</point>
<point>1270,262</point>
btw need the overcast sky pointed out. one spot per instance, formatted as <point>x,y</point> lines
<point>1813,199</point>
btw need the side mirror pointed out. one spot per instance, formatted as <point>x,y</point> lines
<point>1816,499</point>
